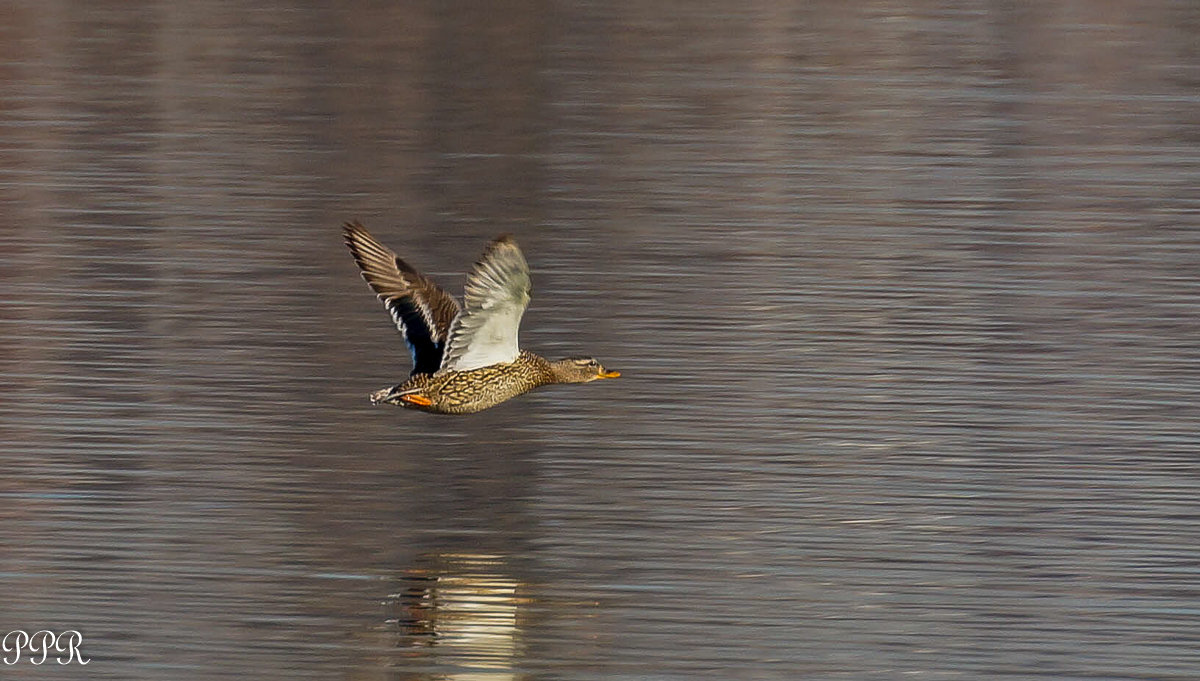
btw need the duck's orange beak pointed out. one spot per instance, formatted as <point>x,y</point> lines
<point>609,374</point>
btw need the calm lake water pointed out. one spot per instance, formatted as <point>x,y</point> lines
<point>905,296</point>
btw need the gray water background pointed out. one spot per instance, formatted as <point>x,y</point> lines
<point>905,297</point>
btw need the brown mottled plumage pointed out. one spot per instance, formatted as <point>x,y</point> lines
<point>464,359</point>
<point>466,392</point>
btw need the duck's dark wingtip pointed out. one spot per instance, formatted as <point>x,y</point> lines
<point>356,237</point>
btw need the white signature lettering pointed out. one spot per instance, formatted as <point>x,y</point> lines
<point>18,642</point>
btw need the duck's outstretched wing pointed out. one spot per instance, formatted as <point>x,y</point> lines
<point>422,310</point>
<point>497,292</point>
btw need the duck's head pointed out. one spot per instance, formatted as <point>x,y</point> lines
<point>580,370</point>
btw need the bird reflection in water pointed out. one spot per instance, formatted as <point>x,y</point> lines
<point>465,609</point>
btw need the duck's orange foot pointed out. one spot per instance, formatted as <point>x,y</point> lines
<point>418,400</point>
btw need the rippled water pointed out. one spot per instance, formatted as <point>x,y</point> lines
<point>904,296</point>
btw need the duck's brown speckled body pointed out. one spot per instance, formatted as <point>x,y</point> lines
<point>464,359</point>
<point>466,392</point>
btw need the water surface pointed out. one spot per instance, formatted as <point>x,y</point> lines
<point>904,297</point>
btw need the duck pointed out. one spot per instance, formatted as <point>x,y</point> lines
<point>466,357</point>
